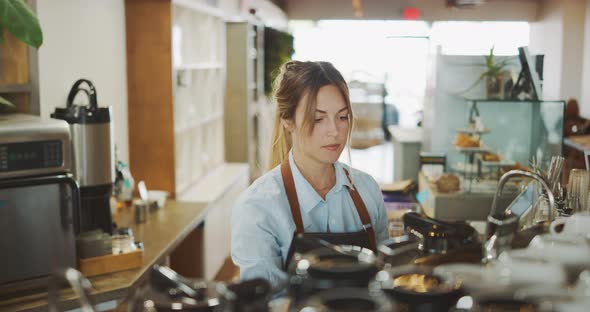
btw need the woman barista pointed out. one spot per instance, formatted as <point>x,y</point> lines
<point>308,191</point>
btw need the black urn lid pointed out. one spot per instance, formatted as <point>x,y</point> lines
<point>90,114</point>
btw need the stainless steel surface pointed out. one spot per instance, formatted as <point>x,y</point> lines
<point>93,153</point>
<point>77,282</point>
<point>516,173</point>
<point>500,234</point>
<point>502,225</point>
<point>36,227</point>
<point>554,172</point>
<point>141,211</point>
<point>18,128</point>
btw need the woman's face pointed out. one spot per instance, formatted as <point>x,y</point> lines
<point>330,128</point>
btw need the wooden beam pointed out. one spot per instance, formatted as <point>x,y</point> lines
<point>149,87</point>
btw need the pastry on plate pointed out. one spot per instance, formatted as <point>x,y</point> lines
<point>464,140</point>
<point>490,157</point>
<point>447,183</point>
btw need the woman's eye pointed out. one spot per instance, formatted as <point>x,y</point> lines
<point>345,117</point>
<point>318,119</point>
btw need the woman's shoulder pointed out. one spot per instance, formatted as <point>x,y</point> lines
<point>268,187</point>
<point>263,202</point>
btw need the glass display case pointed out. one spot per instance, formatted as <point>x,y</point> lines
<point>516,131</point>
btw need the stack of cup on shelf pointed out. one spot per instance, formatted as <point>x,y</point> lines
<point>577,191</point>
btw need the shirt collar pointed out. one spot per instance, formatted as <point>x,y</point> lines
<point>341,178</point>
<point>307,196</point>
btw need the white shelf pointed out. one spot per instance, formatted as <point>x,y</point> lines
<point>198,123</point>
<point>213,185</point>
<point>501,163</point>
<point>212,118</point>
<point>200,7</point>
<point>472,131</point>
<point>198,51</point>
<point>199,66</point>
<point>472,150</point>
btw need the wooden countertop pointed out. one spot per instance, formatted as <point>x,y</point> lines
<point>579,142</point>
<point>163,230</point>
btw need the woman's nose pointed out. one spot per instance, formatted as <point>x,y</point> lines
<point>332,127</point>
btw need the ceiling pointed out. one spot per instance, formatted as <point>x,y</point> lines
<point>430,10</point>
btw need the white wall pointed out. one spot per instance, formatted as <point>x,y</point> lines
<point>559,35</point>
<point>585,93</point>
<point>85,39</point>
<point>547,39</point>
<point>573,45</point>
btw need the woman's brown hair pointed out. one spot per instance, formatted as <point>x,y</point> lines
<point>296,81</point>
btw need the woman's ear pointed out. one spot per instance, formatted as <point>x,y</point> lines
<point>289,125</point>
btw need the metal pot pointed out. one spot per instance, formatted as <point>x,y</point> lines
<point>169,291</point>
<point>431,242</point>
<point>418,288</point>
<point>347,299</point>
<point>499,301</point>
<point>324,268</point>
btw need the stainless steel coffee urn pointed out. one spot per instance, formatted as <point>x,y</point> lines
<point>93,156</point>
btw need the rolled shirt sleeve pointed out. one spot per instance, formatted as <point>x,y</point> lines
<point>255,248</point>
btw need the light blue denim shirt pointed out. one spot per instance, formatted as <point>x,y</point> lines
<point>263,227</point>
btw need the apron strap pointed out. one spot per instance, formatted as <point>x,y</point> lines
<point>363,213</point>
<point>361,209</point>
<point>292,194</point>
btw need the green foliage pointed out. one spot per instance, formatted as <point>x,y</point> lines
<point>19,19</point>
<point>494,69</point>
<point>278,49</point>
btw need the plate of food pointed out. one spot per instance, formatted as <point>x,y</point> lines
<point>470,130</point>
<point>494,160</point>
<point>480,149</point>
<point>469,143</point>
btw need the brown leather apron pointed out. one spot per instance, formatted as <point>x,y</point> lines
<point>303,242</point>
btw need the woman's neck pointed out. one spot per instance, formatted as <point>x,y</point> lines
<point>322,177</point>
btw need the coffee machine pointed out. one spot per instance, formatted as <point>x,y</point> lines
<point>93,155</point>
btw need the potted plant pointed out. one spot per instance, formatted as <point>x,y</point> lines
<point>494,76</point>
<point>17,18</point>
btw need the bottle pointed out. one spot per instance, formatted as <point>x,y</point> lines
<point>124,183</point>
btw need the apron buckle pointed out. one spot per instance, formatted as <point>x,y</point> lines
<point>366,227</point>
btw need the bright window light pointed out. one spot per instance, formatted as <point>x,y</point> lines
<point>398,52</point>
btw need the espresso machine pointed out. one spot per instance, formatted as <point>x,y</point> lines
<point>93,156</point>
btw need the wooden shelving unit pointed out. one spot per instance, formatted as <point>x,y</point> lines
<point>245,102</point>
<point>19,74</point>
<point>176,58</point>
<point>176,80</point>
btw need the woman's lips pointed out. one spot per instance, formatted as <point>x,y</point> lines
<point>332,147</point>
